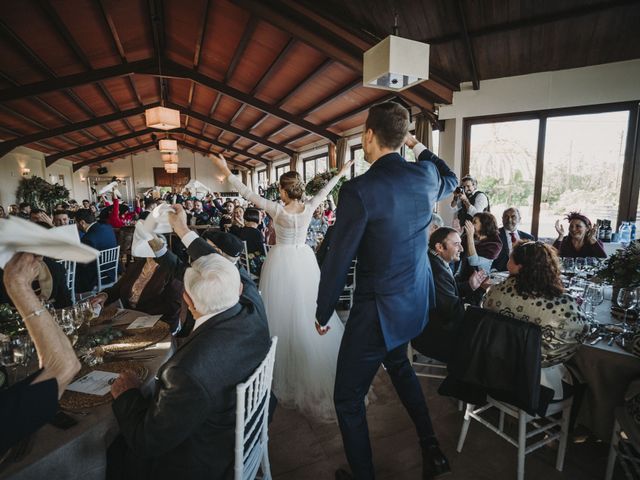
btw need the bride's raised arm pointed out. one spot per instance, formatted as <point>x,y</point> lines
<point>260,202</point>
<point>319,197</point>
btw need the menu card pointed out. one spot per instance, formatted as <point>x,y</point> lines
<point>146,321</point>
<point>94,383</point>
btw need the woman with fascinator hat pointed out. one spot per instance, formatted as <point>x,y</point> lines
<point>305,366</point>
<point>581,241</point>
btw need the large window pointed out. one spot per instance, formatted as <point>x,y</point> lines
<point>551,162</point>
<point>281,169</point>
<point>314,165</point>
<point>262,178</point>
<point>503,161</point>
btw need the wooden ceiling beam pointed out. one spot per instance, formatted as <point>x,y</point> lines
<point>462,20</point>
<point>336,42</point>
<point>214,105</point>
<point>242,46</point>
<point>231,129</point>
<point>197,53</point>
<point>196,136</point>
<point>359,110</point>
<point>331,97</point>
<point>204,151</point>
<point>9,145</point>
<point>571,13</point>
<point>116,154</point>
<point>174,69</point>
<point>51,159</point>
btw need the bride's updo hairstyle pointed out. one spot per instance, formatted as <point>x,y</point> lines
<point>292,183</point>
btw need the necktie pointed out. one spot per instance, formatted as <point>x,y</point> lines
<point>513,238</point>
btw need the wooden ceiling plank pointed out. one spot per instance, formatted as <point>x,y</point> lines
<point>197,136</point>
<point>214,105</point>
<point>331,97</point>
<point>9,145</point>
<point>204,151</point>
<point>51,159</point>
<point>467,44</point>
<point>197,53</point>
<point>242,45</point>
<point>358,110</point>
<point>230,129</point>
<point>119,153</point>
<point>175,69</point>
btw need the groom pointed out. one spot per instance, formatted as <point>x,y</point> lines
<point>383,219</point>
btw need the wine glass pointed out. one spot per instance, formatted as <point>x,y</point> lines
<point>580,264</point>
<point>628,300</point>
<point>22,347</point>
<point>568,264</point>
<point>67,324</point>
<point>6,352</point>
<point>594,296</point>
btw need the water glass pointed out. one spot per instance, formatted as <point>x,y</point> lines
<point>580,264</point>
<point>568,264</point>
<point>6,352</point>
<point>594,296</point>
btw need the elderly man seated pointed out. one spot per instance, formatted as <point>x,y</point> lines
<point>186,428</point>
<point>509,235</point>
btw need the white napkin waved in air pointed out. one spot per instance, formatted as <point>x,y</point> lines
<point>61,243</point>
<point>107,188</point>
<point>157,222</point>
<point>195,185</point>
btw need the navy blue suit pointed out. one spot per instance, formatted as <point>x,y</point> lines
<point>382,220</point>
<point>101,237</point>
<point>500,263</point>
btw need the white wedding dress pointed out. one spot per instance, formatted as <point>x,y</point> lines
<point>305,366</point>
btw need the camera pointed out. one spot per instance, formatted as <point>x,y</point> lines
<point>458,191</point>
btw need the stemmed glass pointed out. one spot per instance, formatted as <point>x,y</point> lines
<point>593,296</point>
<point>628,300</point>
<point>568,265</point>
<point>6,352</point>
<point>23,349</point>
<point>66,322</point>
<point>580,265</point>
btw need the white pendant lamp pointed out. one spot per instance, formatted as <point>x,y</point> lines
<point>162,118</point>
<point>167,145</point>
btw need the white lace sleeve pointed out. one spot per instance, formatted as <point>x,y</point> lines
<point>260,202</point>
<point>319,197</point>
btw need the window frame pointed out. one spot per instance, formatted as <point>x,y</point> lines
<point>280,168</point>
<point>630,185</point>
<point>313,158</point>
<point>266,178</point>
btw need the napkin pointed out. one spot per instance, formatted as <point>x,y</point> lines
<point>107,188</point>
<point>156,222</point>
<point>62,243</point>
<point>196,185</point>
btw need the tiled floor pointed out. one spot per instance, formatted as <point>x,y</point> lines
<point>300,449</point>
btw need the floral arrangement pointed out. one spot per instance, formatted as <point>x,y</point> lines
<point>38,192</point>
<point>272,192</point>
<point>623,267</point>
<point>320,180</point>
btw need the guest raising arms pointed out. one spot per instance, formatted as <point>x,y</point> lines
<point>581,241</point>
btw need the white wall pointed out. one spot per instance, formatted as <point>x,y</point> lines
<point>599,84</point>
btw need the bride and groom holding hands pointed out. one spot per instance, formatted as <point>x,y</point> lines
<point>382,220</point>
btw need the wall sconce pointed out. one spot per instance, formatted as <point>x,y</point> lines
<point>25,171</point>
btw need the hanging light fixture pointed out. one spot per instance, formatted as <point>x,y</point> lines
<point>171,167</point>
<point>170,158</point>
<point>395,63</point>
<point>161,117</point>
<point>166,145</point>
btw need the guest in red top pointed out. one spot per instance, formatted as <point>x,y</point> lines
<point>581,241</point>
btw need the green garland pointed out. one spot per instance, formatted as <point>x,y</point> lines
<point>38,192</point>
<point>622,269</point>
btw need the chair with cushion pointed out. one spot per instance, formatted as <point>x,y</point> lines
<point>252,411</point>
<point>497,365</point>
<point>107,266</point>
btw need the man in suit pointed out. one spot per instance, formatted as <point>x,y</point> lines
<point>186,430</point>
<point>99,236</point>
<point>394,290</point>
<point>445,316</point>
<point>509,235</point>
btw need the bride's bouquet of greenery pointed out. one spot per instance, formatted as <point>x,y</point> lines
<point>318,182</point>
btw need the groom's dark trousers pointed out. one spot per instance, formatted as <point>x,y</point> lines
<point>382,220</point>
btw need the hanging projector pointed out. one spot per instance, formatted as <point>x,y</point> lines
<point>395,63</point>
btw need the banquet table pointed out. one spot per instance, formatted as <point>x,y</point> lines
<point>607,371</point>
<point>81,451</point>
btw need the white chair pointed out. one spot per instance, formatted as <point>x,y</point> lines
<point>108,262</point>
<point>252,412</point>
<point>624,446</point>
<point>350,287</point>
<point>244,257</point>
<point>70,277</point>
<point>550,429</point>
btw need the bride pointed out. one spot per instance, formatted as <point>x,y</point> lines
<point>305,366</point>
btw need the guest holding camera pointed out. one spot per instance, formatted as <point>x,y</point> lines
<point>468,200</point>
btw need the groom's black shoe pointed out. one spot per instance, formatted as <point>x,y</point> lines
<point>434,463</point>
<point>342,474</point>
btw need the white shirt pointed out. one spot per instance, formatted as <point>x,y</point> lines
<point>508,235</point>
<point>481,202</point>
